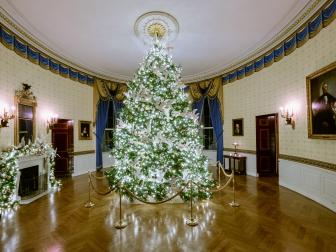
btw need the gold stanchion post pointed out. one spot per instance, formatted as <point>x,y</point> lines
<point>120,224</point>
<point>192,221</point>
<point>89,203</point>
<point>234,203</point>
<point>219,176</point>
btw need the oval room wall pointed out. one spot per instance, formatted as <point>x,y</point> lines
<point>264,93</point>
<point>261,93</point>
<point>65,97</point>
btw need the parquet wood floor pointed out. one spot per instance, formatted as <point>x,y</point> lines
<point>270,218</point>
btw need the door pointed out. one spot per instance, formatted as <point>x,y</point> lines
<point>62,140</point>
<point>267,145</point>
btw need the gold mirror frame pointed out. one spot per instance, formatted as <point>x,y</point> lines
<point>25,97</point>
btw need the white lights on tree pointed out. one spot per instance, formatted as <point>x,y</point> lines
<point>157,143</point>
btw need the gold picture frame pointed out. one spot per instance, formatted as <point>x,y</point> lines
<point>84,130</point>
<point>321,103</point>
<point>238,127</point>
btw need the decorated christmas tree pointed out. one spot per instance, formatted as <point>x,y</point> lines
<point>158,149</point>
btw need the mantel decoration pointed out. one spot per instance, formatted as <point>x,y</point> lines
<point>9,167</point>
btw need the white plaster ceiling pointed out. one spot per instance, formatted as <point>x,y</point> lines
<point>99,34</point>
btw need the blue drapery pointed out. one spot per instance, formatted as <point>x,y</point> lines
<point>198,105</point>
<point>216,119</point>
<point>101,119</point>
<point>117,107</point>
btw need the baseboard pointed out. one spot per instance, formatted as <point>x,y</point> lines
<point>319,200</point>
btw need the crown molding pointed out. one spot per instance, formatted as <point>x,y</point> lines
<point>7,20</point>
<point>300,19</point>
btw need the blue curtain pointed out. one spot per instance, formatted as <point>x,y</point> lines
<point>117,107</point>
<point>102,112</point>
<point>216,119</point>
<point>198,105</point>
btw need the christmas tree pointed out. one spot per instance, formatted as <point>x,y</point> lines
<point>157,144</point>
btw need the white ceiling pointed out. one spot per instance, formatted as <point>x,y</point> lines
<point>99,35</point>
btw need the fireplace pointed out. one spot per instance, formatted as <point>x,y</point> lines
<point>33,179</point>
<point>31,183</point>
<point>28,184</point>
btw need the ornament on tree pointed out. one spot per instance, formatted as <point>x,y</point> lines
<point>157,142</point>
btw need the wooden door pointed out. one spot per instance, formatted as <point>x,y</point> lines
<point>62,140</point>
<point>267,145</point>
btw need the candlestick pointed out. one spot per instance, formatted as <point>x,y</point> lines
<point>235,144</point>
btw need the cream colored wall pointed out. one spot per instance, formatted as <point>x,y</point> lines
<point>67,98</point>
<point>275,86</point>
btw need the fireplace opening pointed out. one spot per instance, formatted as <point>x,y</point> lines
<point>31,183</point>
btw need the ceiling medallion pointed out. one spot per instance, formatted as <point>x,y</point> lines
<point>157,30</point>
<point>156,24</point>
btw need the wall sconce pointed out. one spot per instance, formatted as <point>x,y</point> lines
<point>289,116</point>
<point>6,116</point>
<point>51,121</point>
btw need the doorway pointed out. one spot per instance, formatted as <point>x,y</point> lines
<point>63,142</point>
<point>267,145</point>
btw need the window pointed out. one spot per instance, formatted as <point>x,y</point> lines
<point>108,143</point>
<point>206,130</point>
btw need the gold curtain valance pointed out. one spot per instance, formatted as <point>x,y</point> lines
<point>208,88</point>
<point>107,90</point>
<point>110,90</point>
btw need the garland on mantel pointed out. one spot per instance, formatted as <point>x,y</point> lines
<point>9,167</point>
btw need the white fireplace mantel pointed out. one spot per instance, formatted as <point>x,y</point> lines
<point>29,161</point>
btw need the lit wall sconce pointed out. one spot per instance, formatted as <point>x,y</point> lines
<point>288,114</point>
<point>51,121</point>
<point>8,114</point>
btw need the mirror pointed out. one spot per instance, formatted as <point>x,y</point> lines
<point>25,123</point>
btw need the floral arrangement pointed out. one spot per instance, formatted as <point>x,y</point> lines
<point>9,167</point>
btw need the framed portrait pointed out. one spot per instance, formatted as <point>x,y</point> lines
<point>321,100</point>
<point>84,130</point>
<point>238,127</point>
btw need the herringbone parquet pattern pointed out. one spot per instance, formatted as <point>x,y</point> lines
<point>270,218</point>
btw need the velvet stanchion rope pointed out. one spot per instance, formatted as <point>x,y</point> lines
<point>225,174</point>
<point>97,191</point>
<point>230,176</point>
<point>156,202</point>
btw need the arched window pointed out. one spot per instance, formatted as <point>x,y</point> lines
<point>206,129</point>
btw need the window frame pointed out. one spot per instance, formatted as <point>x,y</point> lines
<point>106,143</point>
<point>203,129</point>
